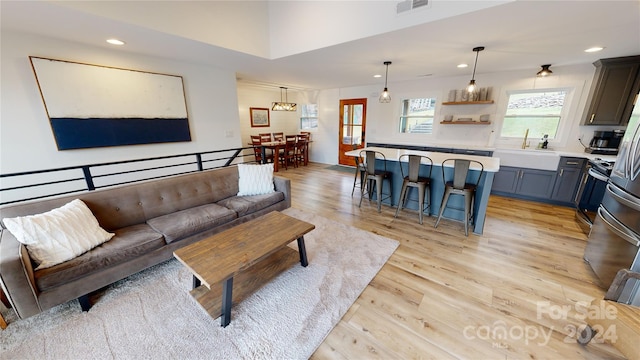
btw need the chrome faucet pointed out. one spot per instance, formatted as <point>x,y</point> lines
<point>524,142</point>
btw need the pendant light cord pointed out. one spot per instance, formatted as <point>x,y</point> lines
<point>474,66</point>
<point>386,74</point>
<point>477,50</point>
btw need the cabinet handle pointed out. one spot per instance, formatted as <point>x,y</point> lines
<point>572,163</point>
<point>521,173</point>
<point>561,172</point>
<point>592,116</point>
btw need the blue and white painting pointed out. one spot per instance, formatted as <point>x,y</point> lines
<point>96,106</point>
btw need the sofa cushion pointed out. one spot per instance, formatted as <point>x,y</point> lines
<point>244,205</point>
<point>128,243</point>
<point>181,224</point>
<point>255,179</point>
<point>58,235</point>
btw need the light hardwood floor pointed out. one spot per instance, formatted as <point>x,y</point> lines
<point>442,295</point>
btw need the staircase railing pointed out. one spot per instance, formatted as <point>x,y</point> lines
<point>38,184</point>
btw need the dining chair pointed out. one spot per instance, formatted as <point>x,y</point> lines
<point>288,156</point>
<point>411,178</point>
<point>265,137</point>
<point>459,185</point>
<point>269,153</point>
<point>302,148</point>
<point>278,136</point>
<point>374,177</point>
<point>257,149</point>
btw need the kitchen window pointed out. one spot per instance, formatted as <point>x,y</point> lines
<point>417,115</point>
<point>537,110</point>
<point>309,116</point>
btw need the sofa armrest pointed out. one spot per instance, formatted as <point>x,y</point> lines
<point>284,185</point>
<point>16,276</point>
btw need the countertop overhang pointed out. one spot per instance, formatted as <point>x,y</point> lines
<point>491,164</point>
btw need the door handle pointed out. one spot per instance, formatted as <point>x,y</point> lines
<point>596,175</point>
<point>618,227</point>
<point>620,196</point>
<point>583,183</point>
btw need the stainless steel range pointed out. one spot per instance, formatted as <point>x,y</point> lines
<point>591,191</point>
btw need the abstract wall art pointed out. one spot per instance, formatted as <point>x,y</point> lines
<point>96,106</point>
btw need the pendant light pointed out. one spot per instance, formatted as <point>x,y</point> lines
<point>472,84</point>
<point>385,97</point>
<point>545,71</point>
<point>284,105</point>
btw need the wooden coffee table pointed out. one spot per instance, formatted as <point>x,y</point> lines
<point>252,253</point>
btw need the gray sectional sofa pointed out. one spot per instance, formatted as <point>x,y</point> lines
<point>150,220</point>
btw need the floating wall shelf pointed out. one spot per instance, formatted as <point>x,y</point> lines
<point>465,122</point>
<point>468,102</point>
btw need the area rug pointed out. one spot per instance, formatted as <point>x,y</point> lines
<point>150,315</point>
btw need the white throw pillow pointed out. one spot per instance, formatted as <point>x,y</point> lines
<point>255,179</point>
<point>58,235</point>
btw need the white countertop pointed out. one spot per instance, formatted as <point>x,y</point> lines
<point>490,164</point>
<point>541,159</point>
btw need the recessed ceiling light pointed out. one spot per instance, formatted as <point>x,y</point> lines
<point>115,42</point>
<point>594,49</point>
<point>377,76</point>
<point>463,65</point>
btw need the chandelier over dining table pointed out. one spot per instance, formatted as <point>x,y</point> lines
<point>284,104</point>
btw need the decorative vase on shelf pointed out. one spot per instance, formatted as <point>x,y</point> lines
<point>483,94</point>
<point>452,95</point>
<point>458,95</point>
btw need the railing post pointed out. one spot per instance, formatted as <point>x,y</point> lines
<point>88,178</point>
<point>199,161</point>
<point>233,157</point>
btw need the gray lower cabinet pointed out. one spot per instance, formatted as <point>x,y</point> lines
<point>558,187</point>
<point>505,180</point>
<point>568,179</point>
<point>525,182</point>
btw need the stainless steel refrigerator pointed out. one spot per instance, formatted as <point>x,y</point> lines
<point>614,239</point>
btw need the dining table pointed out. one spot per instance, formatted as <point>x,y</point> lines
<point>276,146</point>
<point>273,145</point>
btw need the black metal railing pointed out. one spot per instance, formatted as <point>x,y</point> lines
<point>38,184</point>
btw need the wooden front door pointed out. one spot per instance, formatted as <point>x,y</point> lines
<point>353,118</point>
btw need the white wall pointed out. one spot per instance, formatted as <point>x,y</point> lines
<point>219,114</point>
<point>262,97</point>
<point>383,119</point>
<point>27,142</point>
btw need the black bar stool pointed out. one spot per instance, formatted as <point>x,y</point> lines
<point>413,179</point>
<point>460,186</point>
<point>371,175</point>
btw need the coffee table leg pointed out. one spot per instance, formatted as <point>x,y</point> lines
<point>303,252</point>
<point>196,282</point>
<point>227,288</point>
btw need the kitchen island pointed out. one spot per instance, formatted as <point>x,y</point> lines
<point>455,208</point>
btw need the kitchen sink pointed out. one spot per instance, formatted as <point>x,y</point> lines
<point>528,158</point>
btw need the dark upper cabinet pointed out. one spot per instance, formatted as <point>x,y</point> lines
<point>615,85</point>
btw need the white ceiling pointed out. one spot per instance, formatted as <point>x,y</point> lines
<point>522,34</point>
